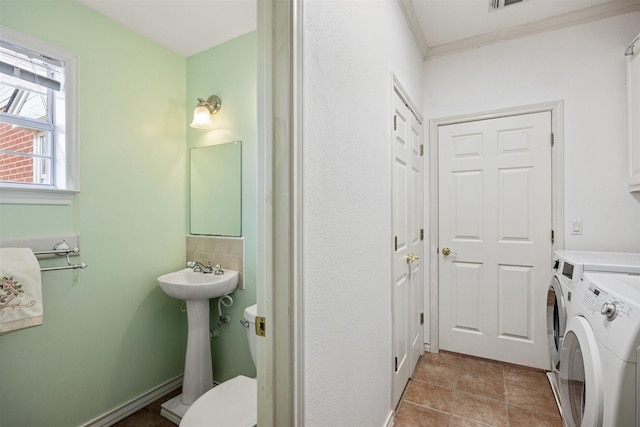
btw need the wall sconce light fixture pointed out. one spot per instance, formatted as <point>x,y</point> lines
<point>203,111</point>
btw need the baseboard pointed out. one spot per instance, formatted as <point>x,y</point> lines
<point>390,419</point>
<point>134,405</point>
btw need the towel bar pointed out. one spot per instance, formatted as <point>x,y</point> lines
<point>66,267</point>
<point>62,249</point>
<point>59,252</point>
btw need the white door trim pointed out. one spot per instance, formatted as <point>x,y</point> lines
<point>557,188</point>
<point>279,221</point>
<point>397,87</point>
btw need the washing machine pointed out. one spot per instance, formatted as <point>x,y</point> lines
<point>599,379</point>
<point>569,268</point>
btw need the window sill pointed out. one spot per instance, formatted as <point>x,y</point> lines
<point>35,196</point>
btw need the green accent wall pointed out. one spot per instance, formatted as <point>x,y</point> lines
<point>229,70</point>
<point>110,334</point>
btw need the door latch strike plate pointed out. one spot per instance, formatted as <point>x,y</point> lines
<point>261,326</point>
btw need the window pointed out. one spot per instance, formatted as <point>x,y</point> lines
<point>38,138</point>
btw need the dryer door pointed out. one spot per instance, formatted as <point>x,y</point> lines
<point>581,376</point>
<point>556,321</point>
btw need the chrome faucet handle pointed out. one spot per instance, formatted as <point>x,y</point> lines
<point>218,270</point>
<point>197,266</point>
<point>206,269</point>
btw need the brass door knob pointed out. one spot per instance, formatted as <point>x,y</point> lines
<point>411,257</point>
<point>447,252</point>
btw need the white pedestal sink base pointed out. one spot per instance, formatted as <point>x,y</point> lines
<point>196,289</point>
<point>174,409</point>
<point>198,373</point>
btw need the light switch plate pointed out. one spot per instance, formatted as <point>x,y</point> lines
<point>576,226</point>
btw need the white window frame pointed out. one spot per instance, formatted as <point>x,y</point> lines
<point>62,193</point>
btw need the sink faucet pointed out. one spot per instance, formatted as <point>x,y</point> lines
<point>198,266</point>
<point>206,269</point>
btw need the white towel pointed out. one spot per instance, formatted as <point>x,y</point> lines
<point>20,290</point>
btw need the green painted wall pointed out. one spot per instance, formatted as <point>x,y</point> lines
<point>110,334</point>
<point>229,71</point>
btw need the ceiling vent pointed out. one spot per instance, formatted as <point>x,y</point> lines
<point>500,4</point>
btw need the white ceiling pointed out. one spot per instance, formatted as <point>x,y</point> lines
<point>443,26</point>
<point>188,27</point>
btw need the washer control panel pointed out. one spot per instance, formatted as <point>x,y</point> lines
<point>611,304</point>
<point>598,301</point>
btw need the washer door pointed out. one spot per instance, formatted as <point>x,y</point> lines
<point>581,377</point>
<point>556,321</point>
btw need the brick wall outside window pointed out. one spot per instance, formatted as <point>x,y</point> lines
<point>14,168</point>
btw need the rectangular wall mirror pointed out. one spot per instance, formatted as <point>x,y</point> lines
<point>215,192</point>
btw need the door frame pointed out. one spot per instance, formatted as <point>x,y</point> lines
<point>280,357</point>
<point>557,192</point>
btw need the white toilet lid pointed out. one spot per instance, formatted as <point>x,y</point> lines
<point>233,403</point>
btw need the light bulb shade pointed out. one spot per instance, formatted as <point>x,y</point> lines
<point>202,118</point>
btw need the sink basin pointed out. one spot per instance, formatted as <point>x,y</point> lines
<point>189,285</point>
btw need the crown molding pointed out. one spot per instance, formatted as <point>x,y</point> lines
<point>410,15</point>
<point>590,14</point>
<point>569,19</point>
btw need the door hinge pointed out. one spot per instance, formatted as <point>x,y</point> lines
<point>422,318</point>
<point>553,139</point>
<point>553,236</point>
<point>396,364</point>
<point>395,243</point>
<point>422,149</point>
<point>261,326</point>
<point>422,234</point>
<point>395,122</point>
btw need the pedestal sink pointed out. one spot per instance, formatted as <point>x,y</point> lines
<point>196,289</point>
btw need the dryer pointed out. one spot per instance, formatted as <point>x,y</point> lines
<point>569,268</point>
<point>598,369</point>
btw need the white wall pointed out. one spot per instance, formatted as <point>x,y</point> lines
<point>350,50</point>
<point>584,66</point>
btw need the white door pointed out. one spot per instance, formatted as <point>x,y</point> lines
<point>495,237</point>
<point>407,244</point>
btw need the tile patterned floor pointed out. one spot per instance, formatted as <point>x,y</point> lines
<point>448,390</point>
<point>454,390</point>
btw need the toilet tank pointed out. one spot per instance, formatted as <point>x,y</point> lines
<point>250,314</point>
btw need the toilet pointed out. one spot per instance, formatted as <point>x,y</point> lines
<point>234,403</point>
